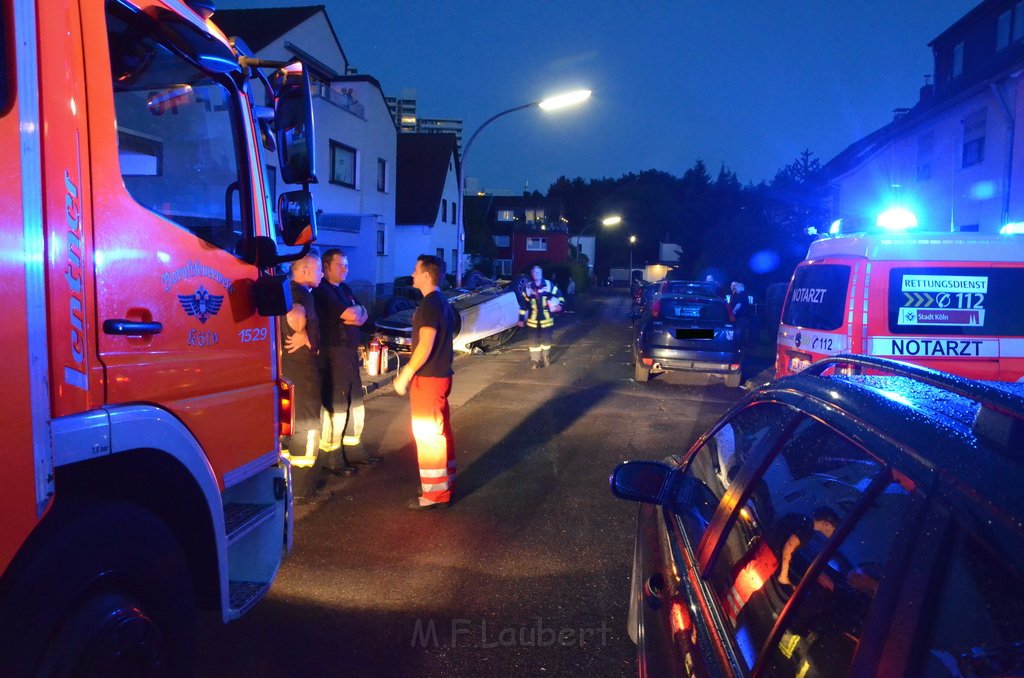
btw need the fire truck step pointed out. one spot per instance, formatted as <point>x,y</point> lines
<point>240,519</point>
<point>245,594</point>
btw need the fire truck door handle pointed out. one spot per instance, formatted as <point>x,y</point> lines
<point>133,327</point>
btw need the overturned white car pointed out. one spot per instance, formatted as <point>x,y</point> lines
<point>486,316</point>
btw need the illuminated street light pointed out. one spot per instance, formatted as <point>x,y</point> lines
<point>611,220</point>
<point>632,241</point>
<point>550,104</point>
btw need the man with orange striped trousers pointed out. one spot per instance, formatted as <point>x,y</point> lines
<point>428,379</point>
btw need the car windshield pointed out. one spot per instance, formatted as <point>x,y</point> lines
<point>714,312</point>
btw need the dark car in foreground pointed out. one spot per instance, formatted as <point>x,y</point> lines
<point>864,517</point>
<point>686,333</point>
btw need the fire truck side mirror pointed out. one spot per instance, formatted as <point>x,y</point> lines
<point>296,218</point>
<point>273,295</point>
<point>293,122</point>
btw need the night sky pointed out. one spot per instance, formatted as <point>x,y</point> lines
<point>745,83</point>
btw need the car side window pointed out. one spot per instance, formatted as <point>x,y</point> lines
<point>714,466</point>
<point>977,626</point>
<point>821,631</point>
<point>790,512</point>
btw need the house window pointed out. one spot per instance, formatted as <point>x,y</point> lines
<point>455,258</point>
<point>343,164</point>
<point>974,139</point>
<point>958,59</point>
<point>444,210</point>
<point>925,146</point>
<point>502,267</point>
<point>440,253</point>
<point>1003,25</point>
<point>454,212</point>
<point>506,215</point>
<point>382,175</point>
<point>533,216</point>
<point>380,243</point>
<point>502,241</point>
<point>1018,21</point>
<point>536,244</point>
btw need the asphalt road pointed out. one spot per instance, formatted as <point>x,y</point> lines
<point>527,574</point>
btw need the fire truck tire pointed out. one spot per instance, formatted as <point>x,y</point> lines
<point>107,592</point>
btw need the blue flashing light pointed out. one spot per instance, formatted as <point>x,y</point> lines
<point>1012,228</point>
<point>836,227</point>
<point>897,219</point>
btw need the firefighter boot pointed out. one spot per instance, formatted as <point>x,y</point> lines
<point>306,484</point>
<point>333,463</point>
<point>356,454</point>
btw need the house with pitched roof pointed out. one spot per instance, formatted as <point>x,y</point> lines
<point>955,158</point>
<point>426,212</point>
<point>357,141</point>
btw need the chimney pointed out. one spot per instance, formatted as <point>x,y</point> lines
<point>926,90</point>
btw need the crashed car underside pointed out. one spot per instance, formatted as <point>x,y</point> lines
<point>486,316</point>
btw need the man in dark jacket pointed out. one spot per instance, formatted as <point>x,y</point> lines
<point>541,299</point>
<point>300,341</point>
<point>341,315</point>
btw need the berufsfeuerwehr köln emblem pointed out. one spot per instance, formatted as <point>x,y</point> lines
<point>202,304</point>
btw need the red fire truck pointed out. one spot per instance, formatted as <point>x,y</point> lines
<point>143,477</point>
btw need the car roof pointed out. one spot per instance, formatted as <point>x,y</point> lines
<point>967,435</point>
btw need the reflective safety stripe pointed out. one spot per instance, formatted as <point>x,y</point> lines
<point>545,347</point>
<point>535,349</point>
<point>350,441</point>
<point>433,472</point>
<point>300,461</point>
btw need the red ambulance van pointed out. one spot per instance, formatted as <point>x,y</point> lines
<point>949,301</point>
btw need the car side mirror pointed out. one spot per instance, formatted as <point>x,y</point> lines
<point>293,123</point>
<point>644,481</point>
<point>296,217</point>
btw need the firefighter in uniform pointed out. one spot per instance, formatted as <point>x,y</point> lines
<point>541,300</point>
<point>341,316</point>
<point>300,339</point>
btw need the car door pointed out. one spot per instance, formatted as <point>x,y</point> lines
<point>672,628</point>
<point>176,320</point>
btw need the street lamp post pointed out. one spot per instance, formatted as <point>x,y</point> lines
<point>549,104</point>
<point>632,241</point>
<point>613,220</point>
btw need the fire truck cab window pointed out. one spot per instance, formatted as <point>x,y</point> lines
<point>786,519</point>
<point>817,297</point>
<point>176,136</point>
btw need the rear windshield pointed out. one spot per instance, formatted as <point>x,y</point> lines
<point>817,297</point>
<point>980,302</point>
<point>707,312</point>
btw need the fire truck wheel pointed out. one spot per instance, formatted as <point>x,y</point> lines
<point>108,592</point>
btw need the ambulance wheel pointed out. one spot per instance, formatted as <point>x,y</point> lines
<point>107,592</point>
<point>641,373</point>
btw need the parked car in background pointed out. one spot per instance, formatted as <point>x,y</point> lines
<point>486,316</point>
<point>650,291</point>
<point>863,517</point>
<point>686,333</point>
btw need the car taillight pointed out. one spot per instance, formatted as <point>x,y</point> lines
<point>285,407</point>
<point>656,308</point>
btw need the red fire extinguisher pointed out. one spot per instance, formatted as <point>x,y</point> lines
<point>383,358</point>
<point>373,358</point>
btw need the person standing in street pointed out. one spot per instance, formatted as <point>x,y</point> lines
<point>341,316</point>
<point>741,306</point>
<point>427,377</point>
<point>541,300</point>
<point>300,339</point>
